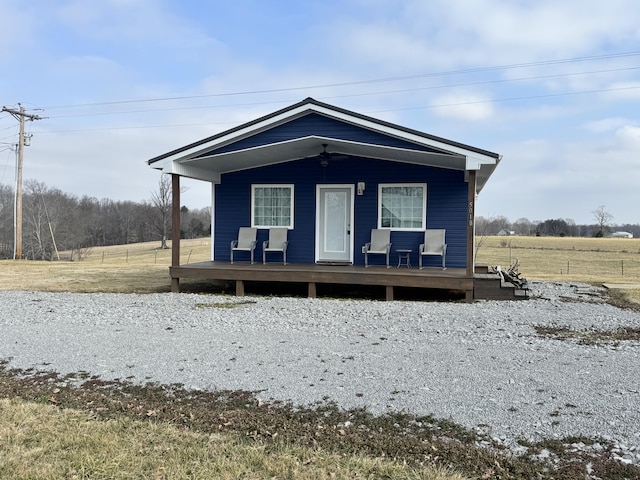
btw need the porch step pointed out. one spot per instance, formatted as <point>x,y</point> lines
<point>482,268</point>
<point>491,286</point>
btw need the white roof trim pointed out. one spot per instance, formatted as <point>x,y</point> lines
<point>190,171</point>
<point>190,162</point>
<point>289,115</point>
<point>445,147</point>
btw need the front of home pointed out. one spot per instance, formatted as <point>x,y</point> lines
<point>330,176</point>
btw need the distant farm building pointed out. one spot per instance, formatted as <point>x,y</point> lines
<point>621,235</point>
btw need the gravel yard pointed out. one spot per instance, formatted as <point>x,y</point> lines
<point>481,365</point>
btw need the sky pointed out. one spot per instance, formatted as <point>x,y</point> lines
<point>552,86</point>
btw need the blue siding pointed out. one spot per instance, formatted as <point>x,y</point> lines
<point>446,205</point>
<point>316,124</point>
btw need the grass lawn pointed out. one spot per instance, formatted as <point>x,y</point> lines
<point>47,442</point>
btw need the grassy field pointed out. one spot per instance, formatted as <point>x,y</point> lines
<point>603,260</point>
<point>142,267</point>
<point>611,261</point>
<point>51,428</point>
<point>139,268</point>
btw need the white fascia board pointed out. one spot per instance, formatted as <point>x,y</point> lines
<point>189,171</point>
<point>475,162</point>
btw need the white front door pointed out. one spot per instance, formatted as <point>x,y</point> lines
<point>334,218</point>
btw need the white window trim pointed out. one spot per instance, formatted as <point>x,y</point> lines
<point>424,206</point>
<point>290,186</point>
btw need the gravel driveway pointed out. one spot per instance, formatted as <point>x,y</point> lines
<point>481,365</point>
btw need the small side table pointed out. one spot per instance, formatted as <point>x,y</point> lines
<point>404,257</point>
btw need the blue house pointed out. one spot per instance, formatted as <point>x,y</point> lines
<point>330,176</point>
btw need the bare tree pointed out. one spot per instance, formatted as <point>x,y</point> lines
<point>484,227</point>
<point>52,222</point>
<point>55,221</point>
<point>37,239</point>
<point>196,223</point>
<point>6,221</point>
<point>523,226</point>
<point>603,220</point>
<point>554,227</point>
<point>572,228</point>
<point>161,201</point>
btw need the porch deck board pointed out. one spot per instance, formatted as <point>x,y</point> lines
<point>450,279</point>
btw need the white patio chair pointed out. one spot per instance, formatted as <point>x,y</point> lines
<point>434,244</point>
<point>246,241</point>
<point>380,244</point>
<point>277,243</point>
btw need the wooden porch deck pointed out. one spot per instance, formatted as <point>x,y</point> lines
<point>313,274</point>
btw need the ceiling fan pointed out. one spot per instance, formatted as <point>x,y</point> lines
<point>326,156</point>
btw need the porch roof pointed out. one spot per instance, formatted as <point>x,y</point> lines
<point>204,159</point>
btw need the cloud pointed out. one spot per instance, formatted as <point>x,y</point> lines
<point>463,106</point>
<point>441,35</point>
<point>606,124</point>
<point>141,21</point>
<point>629,137</point>
<point>559,150</point>
<point>622,91</point>
<point>90,65</point>
<point>545,179</point>
<point>106,163</point>
<point>543,29</point>
<point>17,32</point>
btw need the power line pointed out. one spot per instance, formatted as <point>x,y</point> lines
<point>450,85</point>
<point>508,99</point>
<point>361,82</point>
<point>7,128</point>
<point>387,92</point>
<point>137,127</point>
<point>168,109</point>
<point>5,166</point>
<point>423,107</point>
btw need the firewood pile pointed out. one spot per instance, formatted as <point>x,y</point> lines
<point>512,275</point>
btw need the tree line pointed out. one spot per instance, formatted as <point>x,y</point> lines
<point>557,227</point>
<point>54,221</point>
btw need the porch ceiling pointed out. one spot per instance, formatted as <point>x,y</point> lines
<point>309,147</point>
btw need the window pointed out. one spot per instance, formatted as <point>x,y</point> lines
<point>402,206</point>
<point>272,206</point>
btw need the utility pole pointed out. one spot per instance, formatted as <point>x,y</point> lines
<point>21,116</point>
